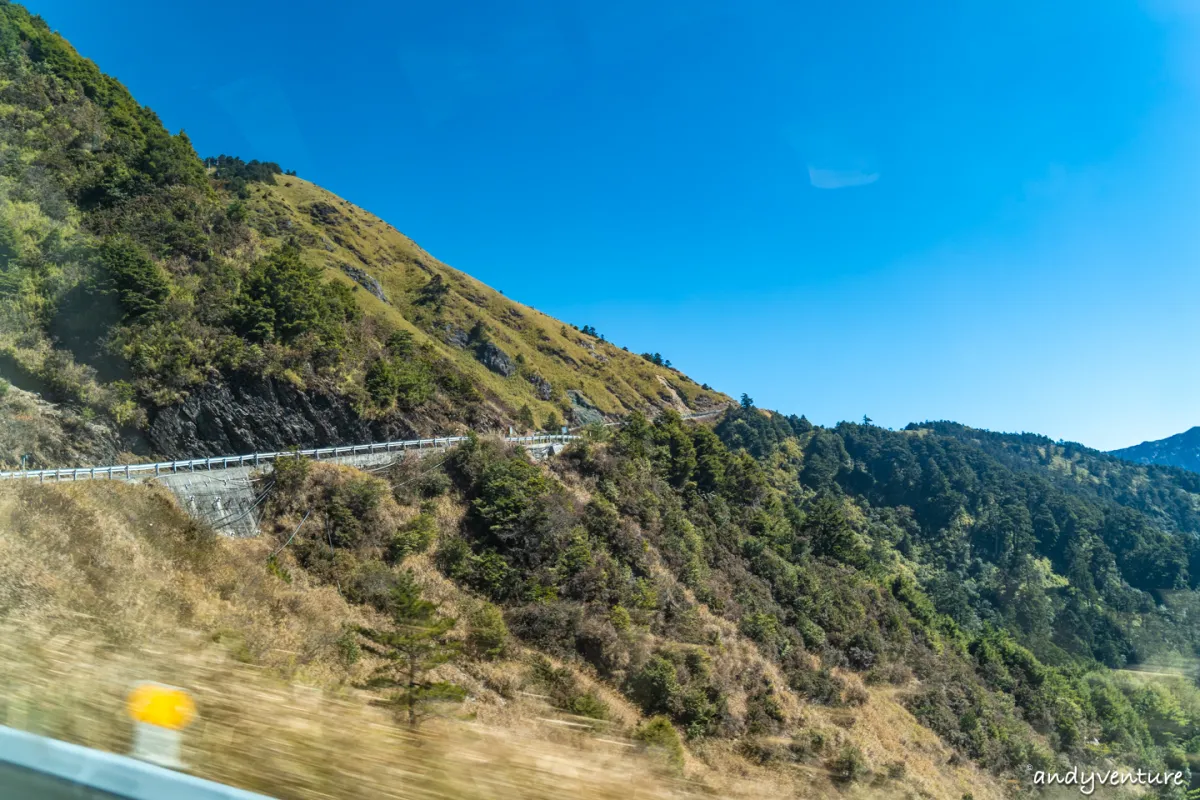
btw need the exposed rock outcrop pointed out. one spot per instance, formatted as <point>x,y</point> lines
<point>495,359</point>
<point>582,410</point>
<point>540,385</point>
<point>253,414</point>
<point>363,279</point>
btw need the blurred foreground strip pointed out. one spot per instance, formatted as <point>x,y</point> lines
<point>34,766</point>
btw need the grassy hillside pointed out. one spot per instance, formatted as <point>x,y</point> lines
<point>110,584</point>
<point>806,611</point>
<point>166,299</point>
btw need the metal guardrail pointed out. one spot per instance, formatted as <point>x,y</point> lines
<point>33,766</point>
<point>126,471</point>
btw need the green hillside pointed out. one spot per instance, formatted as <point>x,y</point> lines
<point>849,611</point>
<point>168,299</point>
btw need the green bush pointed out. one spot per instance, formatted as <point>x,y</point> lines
<point>140,285</point>
<point>282,299</point>
<point>655,687</point>
<point>657,734</point>
<point>290,475</point>
<point>414,536</point>
<point>849,765</point>
<point>487,633</point>
<point>382,383</point>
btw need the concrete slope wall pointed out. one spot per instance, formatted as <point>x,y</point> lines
<point>232,500</point>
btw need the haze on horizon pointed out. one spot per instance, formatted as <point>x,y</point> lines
<point>966,213</point>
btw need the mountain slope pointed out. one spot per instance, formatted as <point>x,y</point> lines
<point>1181,450</point>
<point>759,593</point>
<point>197,308</point>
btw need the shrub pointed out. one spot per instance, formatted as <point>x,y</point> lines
<point>282,298</point>
<point>350,508</point>
<point>487,634</point>
<point>856,696</point>
<point>140,285</point>
<point>659,735</point>
<point>348,648</point>
<point>382,383</point>
<point>290,475</point>
<point>849,765</point>
<point>550,627</point>
<point>819,686</point>
<point>656,686</point>
<point>414,536</point>
<point>372,584</point>
<point>565,692</point>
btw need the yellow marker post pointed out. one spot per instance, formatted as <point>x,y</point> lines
<point>159,714</point>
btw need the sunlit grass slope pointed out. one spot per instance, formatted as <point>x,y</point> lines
<point>344,238</point>
<point>103,585</point>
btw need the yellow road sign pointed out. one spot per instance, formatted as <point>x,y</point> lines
<point>164,706</point>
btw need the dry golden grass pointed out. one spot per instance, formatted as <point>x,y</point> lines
<point>615,380</point>
<point>106,584</point>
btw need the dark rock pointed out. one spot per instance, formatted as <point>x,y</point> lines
<point>582,410</point>
<point>456,337</point>
<point>542,386</point>
<point>495,359</point>
<point>364,280</point>
<point>252,414</point>
<point>324,214</point>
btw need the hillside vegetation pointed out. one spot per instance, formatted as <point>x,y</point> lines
<point>108,584</point>
<point>752,607</point>
<point>819,611</point>
<point>192,306</point>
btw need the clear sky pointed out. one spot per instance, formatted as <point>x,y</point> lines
<point>954,209</point>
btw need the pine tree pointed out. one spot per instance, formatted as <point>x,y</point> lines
<point>414,647</point>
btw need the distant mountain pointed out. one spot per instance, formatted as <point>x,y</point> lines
<point>1180,450</point>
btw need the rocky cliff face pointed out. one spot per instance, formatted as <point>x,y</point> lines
<point>252,414</point>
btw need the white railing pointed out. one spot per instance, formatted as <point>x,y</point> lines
<point>125,471</point>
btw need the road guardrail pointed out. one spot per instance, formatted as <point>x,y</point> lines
<point>35,767</point>
<point>127,471</point>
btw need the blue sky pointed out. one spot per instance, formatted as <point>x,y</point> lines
<point>974,211</point>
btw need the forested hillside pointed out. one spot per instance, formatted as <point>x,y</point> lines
<point>933,612</point>
<point>1002,596</point>
<point>189,307</point>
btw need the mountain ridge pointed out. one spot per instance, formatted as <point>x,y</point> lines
<point>1180,450</point>
<point>175,300</point>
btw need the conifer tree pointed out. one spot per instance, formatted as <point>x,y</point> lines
<point>411,649</point>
